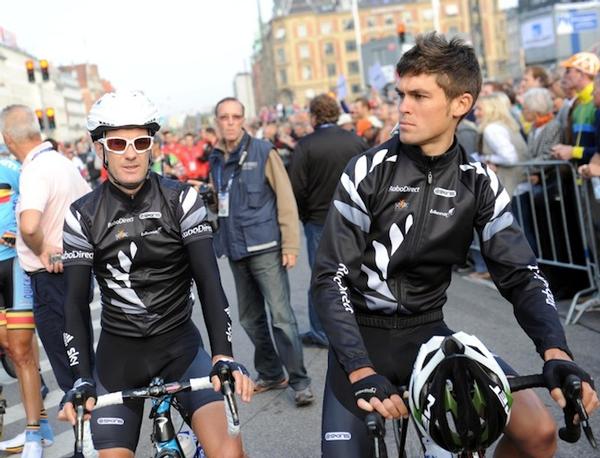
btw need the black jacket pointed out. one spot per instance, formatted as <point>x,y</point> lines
<point>317,163</point>
<point>399,221</point>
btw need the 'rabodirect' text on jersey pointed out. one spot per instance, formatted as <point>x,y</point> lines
<point>136,248</point>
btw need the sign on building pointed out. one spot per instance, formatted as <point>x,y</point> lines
<point>568,22</point>
<point>537,32</point>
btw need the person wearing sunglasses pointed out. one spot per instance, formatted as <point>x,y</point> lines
<point>146,237</point>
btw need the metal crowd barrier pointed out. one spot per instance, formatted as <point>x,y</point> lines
<point>557,220</point>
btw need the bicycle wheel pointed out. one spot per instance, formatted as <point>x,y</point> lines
<point>8,365</point>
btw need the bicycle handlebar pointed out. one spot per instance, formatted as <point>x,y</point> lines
<point>157,391</point>
<point>571,432</point>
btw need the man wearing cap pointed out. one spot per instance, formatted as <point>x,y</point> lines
<point>317,164</point>
<point>581,68</point>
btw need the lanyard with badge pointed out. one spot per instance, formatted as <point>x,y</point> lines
<point>223,193</point>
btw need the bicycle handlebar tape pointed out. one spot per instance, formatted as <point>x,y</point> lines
<point>110,399</point>
<point>202,383</point>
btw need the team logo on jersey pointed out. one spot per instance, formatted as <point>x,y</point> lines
<point>120,221</point>
<point>396,188</point>
<point>121,234</point>
<point>444,192</point>
<point>401,205</point>
<point>154,232</point>
<point>447,214</point>
<point>151,215</point>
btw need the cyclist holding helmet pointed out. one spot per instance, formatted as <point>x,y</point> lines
<point>402,216</point>
<point>146,237</point>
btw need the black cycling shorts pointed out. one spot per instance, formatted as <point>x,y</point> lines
<point>131,362</point>
<point>393,353</point>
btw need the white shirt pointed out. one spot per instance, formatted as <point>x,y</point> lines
<point>49,183</point>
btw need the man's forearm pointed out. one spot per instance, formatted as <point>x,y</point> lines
<point>35,241</point>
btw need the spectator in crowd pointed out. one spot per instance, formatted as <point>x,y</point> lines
<point>318,162</point>
<point>593,168</point>
<point>501,142</point>
<point>88,157</point>
<point>538,110</point>
<point>580,144</point>
<point>300,125</point>
<point>468,136</point>
<point>17,326</point>
<point>360,110</point>
<point>569,94</point>
<point>387,113</point>
<point>166,165</point>
<point>259,233</point>
<point>489,87</point>
<point>345,122</point>
<point>49,183</point>
<point>558,95</point>
<point>534,76</point>
<point>69,152</point>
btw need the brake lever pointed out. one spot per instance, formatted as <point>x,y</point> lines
<point>376,429</point>
<point>80,410</point>
<point>227,389</point>
<point>571,432</point>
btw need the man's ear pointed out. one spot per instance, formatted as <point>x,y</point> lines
<point>461,105</point>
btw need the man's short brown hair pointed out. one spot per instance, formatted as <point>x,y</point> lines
<point>324,109</point>
<point>540,74</point>
<point>453,62</point>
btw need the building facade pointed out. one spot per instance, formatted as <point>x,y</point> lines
<point>314,42</point>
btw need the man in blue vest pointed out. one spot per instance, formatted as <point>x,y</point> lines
<point>259,233</point>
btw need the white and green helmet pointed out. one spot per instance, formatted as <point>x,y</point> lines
<point>459,395</point>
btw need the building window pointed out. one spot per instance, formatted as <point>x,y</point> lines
<point>427,14</point>
<point>451,10</point>
<point>355,88</point>
<point>283,77</point>
<point>331,70</point>
<point>353,68</point>
<point>326,28</point>
<point>371,22</point>
<point>304,52</point>
<point>280,34</point>
<point>328,49</point>
<point>348,24</point>
<point>350,45</point>
<point>306,72</point>
<point>407,17</point>
<point>389,20</point>
<point>302,31</point>
<point>280,55</point>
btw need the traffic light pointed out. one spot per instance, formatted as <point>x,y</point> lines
<point>401,29</point>
<point>30,71</point>
<point>44,68</point>
<point>40,116</point>
<point>50,116</point>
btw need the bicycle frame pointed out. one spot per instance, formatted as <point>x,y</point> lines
<point>163,435</point>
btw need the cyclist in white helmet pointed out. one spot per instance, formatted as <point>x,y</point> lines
<point>146,238</point>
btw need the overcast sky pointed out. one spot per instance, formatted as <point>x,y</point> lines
<point>183,54</point>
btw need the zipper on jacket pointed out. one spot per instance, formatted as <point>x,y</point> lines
<point>421,216</point>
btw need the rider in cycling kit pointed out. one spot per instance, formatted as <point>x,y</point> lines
<point>402,216</point>
<point>146,238</point>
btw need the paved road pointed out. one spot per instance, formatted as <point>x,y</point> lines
<point>273,427</point>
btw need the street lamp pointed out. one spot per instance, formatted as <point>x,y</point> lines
<point>358,39</point>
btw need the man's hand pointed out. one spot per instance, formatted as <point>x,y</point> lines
<point>589,170</point>
<point>244,386</point>
<point>51,259</point>
<point>562,152</point>
<point>375,392</point>
<point>557,366</point>
<point>288,260</point>
<point>87,389</point>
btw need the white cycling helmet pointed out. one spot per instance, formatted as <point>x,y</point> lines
<point>459,394</point>
<point>121,109</point>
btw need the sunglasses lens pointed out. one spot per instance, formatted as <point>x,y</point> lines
<point>142,143</point>
<point>116,144</point>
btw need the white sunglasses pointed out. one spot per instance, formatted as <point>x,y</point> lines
<point>119,145</point>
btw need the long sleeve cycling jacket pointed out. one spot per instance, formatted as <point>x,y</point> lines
<point>398,223</point>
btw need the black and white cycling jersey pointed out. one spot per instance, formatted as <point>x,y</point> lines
<point>399,221</point>
<point>144,251</point>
